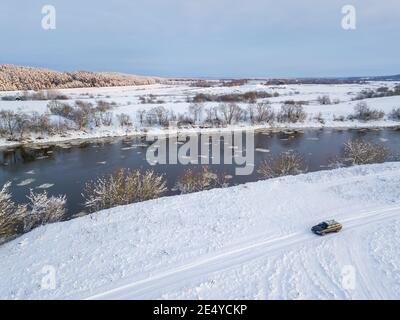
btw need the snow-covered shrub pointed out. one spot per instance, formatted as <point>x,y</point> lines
<point>194,181</point>
<point>364,113</point>
<point>123,187</point>
<point>286,163</point>
<point>103,106</point>
<point>378,93</point>
<point>150,99</point>
<point>83,113</point>
<point>318,117</point>
<point>18,219</point>
<point>395,114</point>
<point>45,209</point>
<point>196,111</point>
<point>8,123</point>
<point>13,124</point>
<point>261,113</point>
<point>61,109</point>
<point>56,95</point>
<point>40,123</point>
<point>124,120</point>
<point>339,118</point>
<point>292,113</point>
<point>107,119</point>
<point>324,100</point>
<point>184,120</point>
<point>42,95</point>
<point>362,152</point>
<point>12,216</point>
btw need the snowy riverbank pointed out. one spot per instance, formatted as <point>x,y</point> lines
<point>249,241</point>
<point>174,99</point>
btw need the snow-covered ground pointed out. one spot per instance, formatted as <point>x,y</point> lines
<point>175,99</point>
<point>250,241</point>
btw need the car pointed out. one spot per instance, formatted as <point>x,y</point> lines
<point>326,227</point>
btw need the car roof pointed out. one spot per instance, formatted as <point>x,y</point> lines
<point>331,222</point>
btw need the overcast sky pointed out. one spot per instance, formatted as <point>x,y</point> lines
<point>210,38</point>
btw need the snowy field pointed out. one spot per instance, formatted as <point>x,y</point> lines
<point>246,242</point>
<point>175,98</point>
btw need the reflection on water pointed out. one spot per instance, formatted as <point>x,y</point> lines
<point>64,168</point>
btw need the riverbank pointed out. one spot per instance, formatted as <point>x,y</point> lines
<point>141,105</point>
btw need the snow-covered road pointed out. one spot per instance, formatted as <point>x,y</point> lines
<point>239,255</point>
<point>251,241</point>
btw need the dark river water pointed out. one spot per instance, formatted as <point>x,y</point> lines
<point>65,168</point>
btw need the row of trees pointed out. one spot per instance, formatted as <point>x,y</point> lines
<point>27,78</point>
<point>246,97</point>
<point>36,95</point>
<point>15,125</point>
<point>85,115</point>
<point>223,114</point>
<point>80,116</point>
<point>378,93</point>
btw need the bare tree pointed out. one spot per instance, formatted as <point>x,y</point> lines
<point>363,112</point>
<point>262,113</point>
<point>230,112</point>
<point>251,111</point>
<point>196,111</point>
<point>291,113</point>
<point>194,181</point>
<point>324,100</point>
<point>8,122</point>
<point>83,112</point>
<point>161,114</point>
<point>45,209</point>
<point>141,113</point>
<point>11,215</point>
<point>124,120</point>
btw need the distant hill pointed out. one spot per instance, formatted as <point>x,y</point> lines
<point>14,77</point>
<point>384,78</point>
